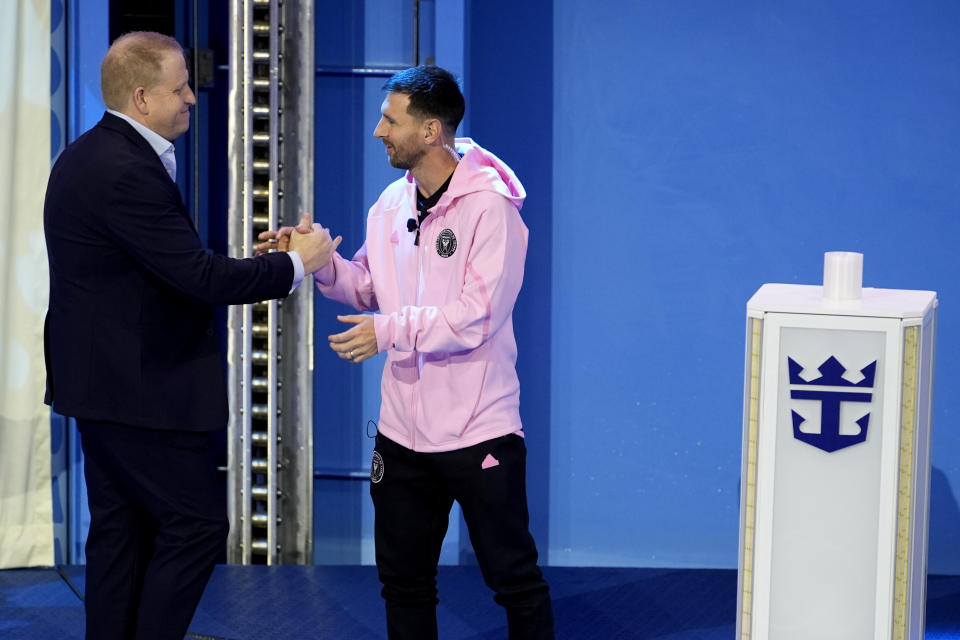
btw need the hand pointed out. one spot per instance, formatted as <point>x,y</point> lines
<point>280,239</point>
<point>315,248</point>
<point>270,240</point>
<point>358,343</point>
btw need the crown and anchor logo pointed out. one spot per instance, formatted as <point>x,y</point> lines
<point>831,375</point>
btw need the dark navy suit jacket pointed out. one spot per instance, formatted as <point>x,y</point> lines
<point>129,334</point>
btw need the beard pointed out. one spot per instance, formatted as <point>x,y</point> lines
<point>405,160</point>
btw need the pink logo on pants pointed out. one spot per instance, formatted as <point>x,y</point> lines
<point>489,461</point>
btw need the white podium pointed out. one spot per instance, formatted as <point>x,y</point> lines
<point>836,464</point>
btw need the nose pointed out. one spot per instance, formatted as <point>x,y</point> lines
<point>380,131</point>
<point>189,97</point>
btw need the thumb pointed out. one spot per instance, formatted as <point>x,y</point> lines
<point>337,241</point>
<point>351,319</point>
<point>304,220</point>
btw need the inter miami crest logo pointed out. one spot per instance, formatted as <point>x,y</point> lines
<point>831,389</point>
<point>376,468</point>
<point>446,243</point>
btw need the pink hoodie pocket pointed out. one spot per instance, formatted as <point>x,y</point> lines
<point>457,385</point>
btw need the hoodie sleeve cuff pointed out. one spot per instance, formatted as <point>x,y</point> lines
<point>325,275</point>
<point>383,327</point>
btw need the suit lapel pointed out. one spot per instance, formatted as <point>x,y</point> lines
<point>121,126</point>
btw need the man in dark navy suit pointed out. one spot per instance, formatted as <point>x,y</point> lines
<point>131,349</point>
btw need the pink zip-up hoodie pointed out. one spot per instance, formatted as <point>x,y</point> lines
<point>445,306</point>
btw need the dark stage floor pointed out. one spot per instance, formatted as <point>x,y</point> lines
<point>343,603</point>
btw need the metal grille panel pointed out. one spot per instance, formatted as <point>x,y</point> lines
<point>269,343</point>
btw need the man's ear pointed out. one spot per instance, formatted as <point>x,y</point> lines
<point>140,101</point>
<point>432,130</point>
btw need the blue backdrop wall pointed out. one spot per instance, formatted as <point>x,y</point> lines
<point>701,149</point>
<point>678,156</point>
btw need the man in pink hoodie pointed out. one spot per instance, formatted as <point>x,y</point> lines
<point>442,264</point>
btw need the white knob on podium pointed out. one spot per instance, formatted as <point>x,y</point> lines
<point>842,275</point>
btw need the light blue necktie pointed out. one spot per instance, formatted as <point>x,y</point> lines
<point>169,161</point>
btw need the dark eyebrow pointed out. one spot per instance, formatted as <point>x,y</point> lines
<point>389,119</point>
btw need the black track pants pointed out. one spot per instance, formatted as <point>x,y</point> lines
<point>412,502</point>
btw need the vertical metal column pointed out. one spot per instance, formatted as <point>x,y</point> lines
<point>270,448</point>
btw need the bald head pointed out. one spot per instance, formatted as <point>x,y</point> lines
<point>134,60</point>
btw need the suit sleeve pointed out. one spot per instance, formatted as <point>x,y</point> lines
<point>494,273</point>
<point>146,219</point>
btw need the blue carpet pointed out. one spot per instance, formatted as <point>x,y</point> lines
<point>343,603</point>
<point>38,603</point>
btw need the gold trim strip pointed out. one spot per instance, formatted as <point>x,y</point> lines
<point>750,497</point>
<point>901,590</point>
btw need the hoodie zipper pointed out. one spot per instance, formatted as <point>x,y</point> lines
<point>420,249</point>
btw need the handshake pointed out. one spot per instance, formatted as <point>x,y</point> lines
<point>315,247</point>
<point>310,240</point>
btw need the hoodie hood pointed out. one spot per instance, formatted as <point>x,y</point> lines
<point>480,170</point>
